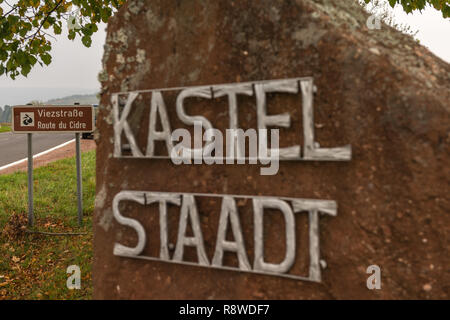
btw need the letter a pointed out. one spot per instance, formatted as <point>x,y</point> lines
<point>229,210</point>
<point>189,209</point>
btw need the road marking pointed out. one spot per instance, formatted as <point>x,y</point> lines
<point>37,155</point>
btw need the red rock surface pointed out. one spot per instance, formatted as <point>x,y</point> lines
<point>379,91</point>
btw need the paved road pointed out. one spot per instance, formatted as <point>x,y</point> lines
<point>13,147</point>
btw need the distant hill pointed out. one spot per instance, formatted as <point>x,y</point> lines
<point>5,114</point>
<point>15,96</point>
<point>81,98</point>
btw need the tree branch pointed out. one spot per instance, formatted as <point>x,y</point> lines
<point>45,19</point>
<point>12,9</point>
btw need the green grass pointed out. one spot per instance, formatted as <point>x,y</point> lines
<point>33,266</point>
<point>5,129</point>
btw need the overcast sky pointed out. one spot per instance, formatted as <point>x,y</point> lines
<point>74,68</point>
<point>433,29</point>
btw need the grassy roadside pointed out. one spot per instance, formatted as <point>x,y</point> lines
<point>33,266</point>
<point>5,129</point>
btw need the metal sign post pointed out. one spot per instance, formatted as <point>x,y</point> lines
<point>53,119</point>
<point>79,181</point>
<point>30,179</point>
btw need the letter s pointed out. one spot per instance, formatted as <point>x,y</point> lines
<point>121,250</point>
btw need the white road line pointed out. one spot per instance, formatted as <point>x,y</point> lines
<point>37,155</point>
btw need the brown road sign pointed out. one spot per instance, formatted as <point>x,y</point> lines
<point>74,118</point>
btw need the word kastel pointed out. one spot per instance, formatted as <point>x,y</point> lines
<point>229,215</point>
<point>311,151</point>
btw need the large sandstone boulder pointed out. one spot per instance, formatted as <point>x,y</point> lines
<point>377,90</point>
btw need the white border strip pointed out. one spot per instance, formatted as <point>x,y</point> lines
<point>37,155</point>
<point>209,85</point>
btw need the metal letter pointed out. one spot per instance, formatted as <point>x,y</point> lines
<point>229,209</point>
<point>231,91</point>
<point>158,106</point>
<point>189,209</point>
<point>311,151</point>
<point>163,199</point>
<point>281,120</point>
<point>313,207</point>
<point>121,124</point>
<point>258,207</point>
<point>202,92</point>
<point>121,250</point>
